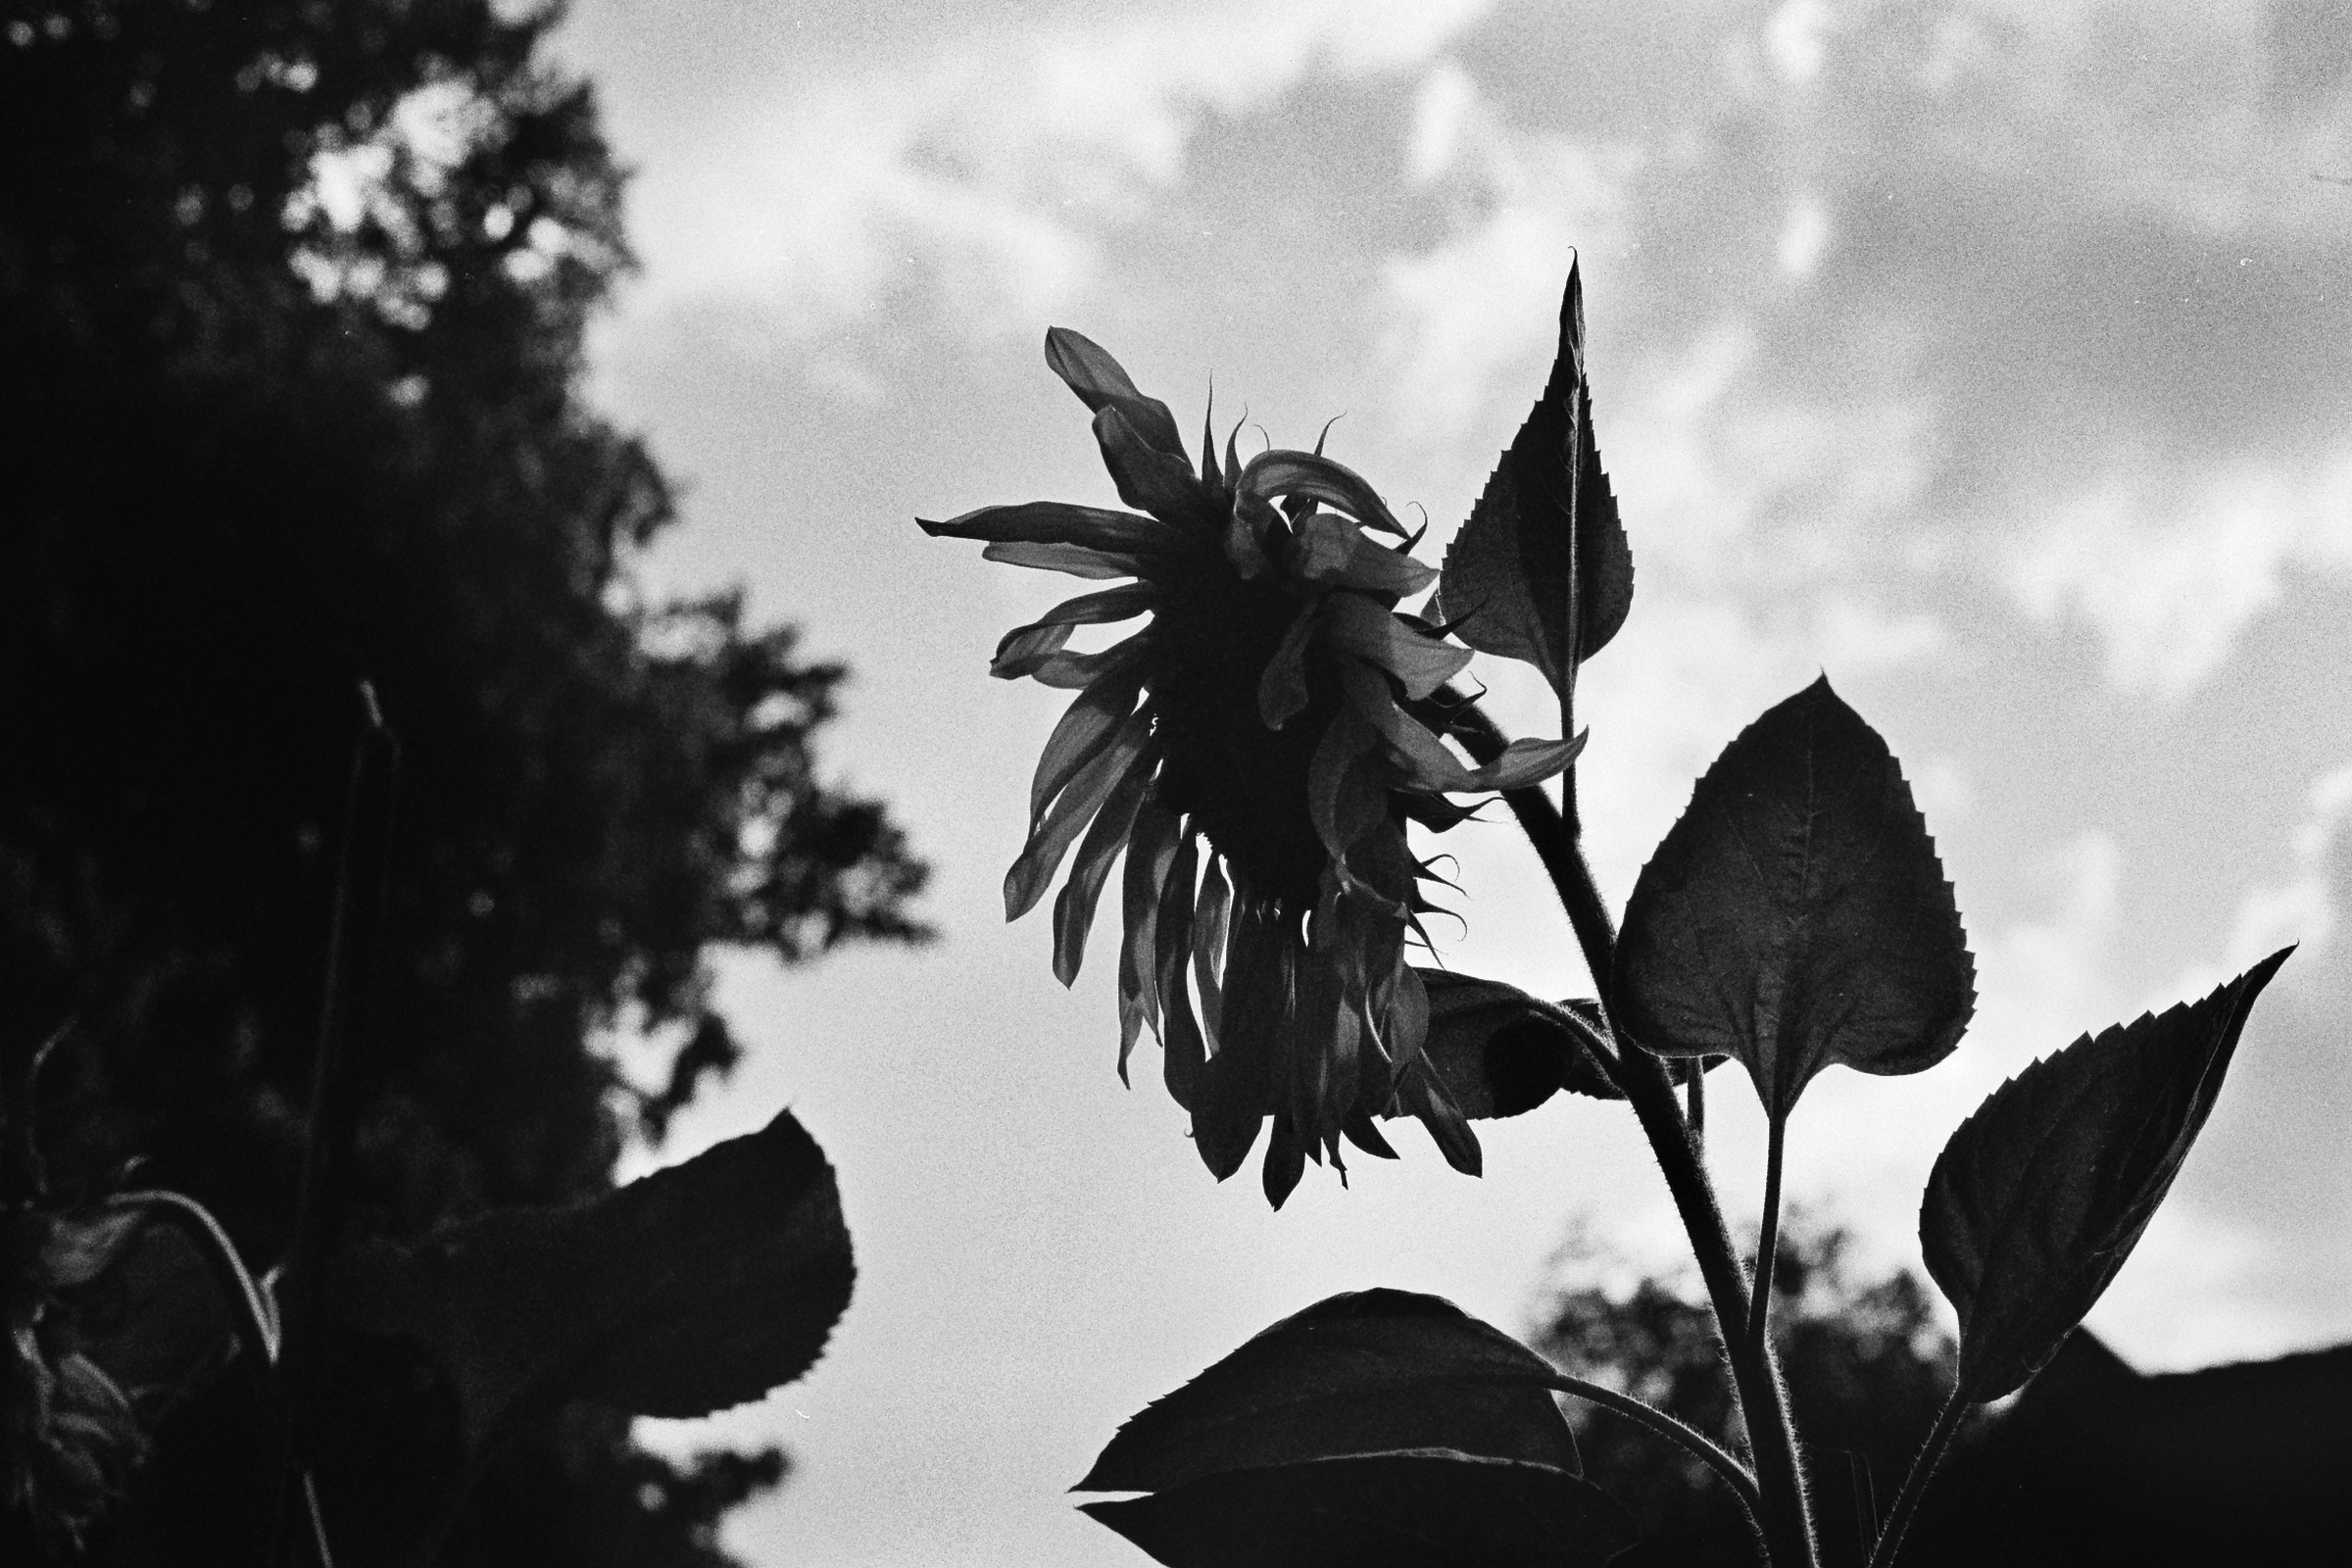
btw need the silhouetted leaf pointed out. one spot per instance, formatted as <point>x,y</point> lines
<point>1547,511</point>
<point>2041,1194</point>
<point>1426,1508</point>
<point>1364,1372</point>
<point>1796,915</point>
<point>699,1286</point>
<point>1499,1052</point>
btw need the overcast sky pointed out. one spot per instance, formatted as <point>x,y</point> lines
<point>1989,357</point>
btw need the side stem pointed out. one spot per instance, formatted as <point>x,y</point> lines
<point>1690,1439</point>
<point>1922,1470</point>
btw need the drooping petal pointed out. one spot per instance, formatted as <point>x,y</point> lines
<point>1365,628</point>
<point>1074,907</point>
<point>1425,762</point>
<point>1342,802</point>
<point>1079,560</point>
<point>1072,811</point>
<point>1235,1088</point>
<point>1210,917</point>
<point>1282,689</point>
<point>1421,1095</point>
<point>1024,649</point>
<point>1085,728</point>
<point>1180,1039</point>
<point>1059,522</point>
<point>1281,473</point>
<point>1150,851</point>
<point>1102,382</point>
<point>1329,549</point>
<point>1076,672</point>
<point>1286,1159</point>
<point>1526,761</point>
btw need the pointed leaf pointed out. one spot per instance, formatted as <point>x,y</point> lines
<point>1546,516</point>
<point>1419,1508</point>
<point>1796,915</point>
<point>2041,1196</point>
<point>1363,1372</point>
<point>1101,382</point>
<point>699,1286</point>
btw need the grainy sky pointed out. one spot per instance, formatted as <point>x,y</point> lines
<point>1989,356</point>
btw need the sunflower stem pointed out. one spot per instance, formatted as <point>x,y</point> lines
<point>1783,1518</point>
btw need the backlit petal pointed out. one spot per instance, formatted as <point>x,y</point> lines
<point>1079,560</point>
<point>1330,548</point>
<point>1101,382</point>
<point>1367,629</point>
<point>1282,689</point>
<point>1281,472</point>
<point>1057,522</point>
<point>1085,728</point>
<point>1074,908</point>
<point>1150,851</point>
<point>1026,648</point>
<point>1072,811</point>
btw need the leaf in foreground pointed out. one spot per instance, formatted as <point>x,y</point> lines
<point>1428,1509</point>
<point>1541,572</point>
<point>2041,1194</point>
<point>699,1286</point>
<point>1378,1426</point>
<point>1798,916</point>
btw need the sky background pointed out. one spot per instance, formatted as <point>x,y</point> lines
<point>1990,358</point>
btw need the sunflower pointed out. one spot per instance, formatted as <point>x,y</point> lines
<point>1255,749</point>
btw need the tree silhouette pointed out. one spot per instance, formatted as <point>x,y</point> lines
<point>292,299</point>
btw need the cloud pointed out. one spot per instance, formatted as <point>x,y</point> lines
<point>990,166</point>
<point>2172,563</point>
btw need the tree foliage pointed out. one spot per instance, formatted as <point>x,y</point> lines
<point>1868,1364</point>
<point>292,299</point>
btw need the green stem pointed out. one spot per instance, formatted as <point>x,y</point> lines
<point>1782,1520</point>
<point>1690,1439</point>
<point>1759,1311</point>
<point>1915,1485</point>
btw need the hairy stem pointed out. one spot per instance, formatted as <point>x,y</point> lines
<point>1690,1439</point>
<point>1695,1101</point>
<point>1759,1311</point>
<point>1922,1470</point>
<point>1782,1520</point>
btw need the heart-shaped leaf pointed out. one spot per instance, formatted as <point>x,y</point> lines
<point>699,1286</point>
<point>2041,1194</point>
<point>1499,1051</point>
<point>1796,915</point>
<point>1541,572</point>
<point>1430,1508</point>
<point>1364,1372</point>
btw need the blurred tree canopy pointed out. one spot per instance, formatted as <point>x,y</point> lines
<point>292,298</point>
<point>1868,1365</point>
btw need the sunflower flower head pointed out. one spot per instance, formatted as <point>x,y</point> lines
<point>1255,749</point>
